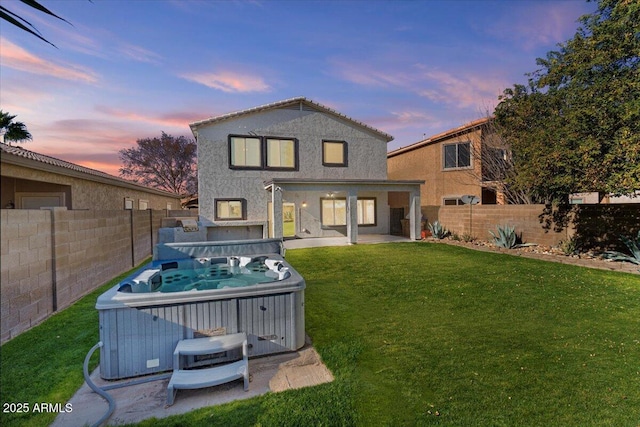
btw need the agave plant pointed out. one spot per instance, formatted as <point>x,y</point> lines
<point>507,238</point>
<point>437,230</point>
<point>634,248</point>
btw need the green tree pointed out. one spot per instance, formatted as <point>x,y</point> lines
<point>13,131</point>
<point>575,127</point>
<point>165,163</point>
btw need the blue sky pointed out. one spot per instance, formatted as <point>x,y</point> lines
<point>126,70</point>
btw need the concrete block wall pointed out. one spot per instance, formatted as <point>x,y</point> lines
<point>596,227</point>
<point>91,247</point>
<point>25,270</point>
<point>478,220</point>
<point>51,258</point>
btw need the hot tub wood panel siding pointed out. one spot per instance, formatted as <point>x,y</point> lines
<point>267,323</point>
<point>138,341</point>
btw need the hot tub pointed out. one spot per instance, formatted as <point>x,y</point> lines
<point>191,290</point>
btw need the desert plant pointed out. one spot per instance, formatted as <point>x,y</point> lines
<point>437,230</point>
<point>569,246</point>
<point>507,238</point>
<point>634,248</point>
<point>468,238</point>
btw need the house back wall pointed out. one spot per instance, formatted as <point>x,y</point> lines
<point>366,154</point>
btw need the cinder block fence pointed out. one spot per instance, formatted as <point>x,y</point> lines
<point>51,258</point>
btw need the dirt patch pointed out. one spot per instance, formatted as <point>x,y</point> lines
<point>546,253</point>
<point>307,370</point>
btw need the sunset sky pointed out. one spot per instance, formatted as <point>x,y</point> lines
<point>126,70</point>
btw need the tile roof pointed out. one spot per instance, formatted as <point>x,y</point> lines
<point>72,167</point>
<point>440,136</point>
<point>287,103</point>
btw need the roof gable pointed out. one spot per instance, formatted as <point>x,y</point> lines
<point>299,103</point>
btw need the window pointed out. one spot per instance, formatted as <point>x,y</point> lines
<point>245,152</point>
<point>143,205</point>
<point>281,154</point>
<point>457,155</point>
<point>230,209</point>
<point>366,211</point>
<point>453,201</point>
<point>257,152</point>
<point>334,211</point>
<point>334,153</point>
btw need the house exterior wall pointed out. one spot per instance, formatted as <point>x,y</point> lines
<point>79,193</point>
<point>366,160</point>
<point>426,163</point>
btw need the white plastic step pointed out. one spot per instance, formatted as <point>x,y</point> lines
<point>210,345</point>
<point>209,377</point>
<point>201,378</point>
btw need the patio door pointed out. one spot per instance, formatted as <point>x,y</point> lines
<point>288,219</point>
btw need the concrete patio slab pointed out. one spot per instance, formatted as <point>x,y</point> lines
<point>135,403</point>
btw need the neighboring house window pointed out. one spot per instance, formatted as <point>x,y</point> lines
<point>457,155</point>
<point>143,205</point>
<point>281,153</point>
<point>245,152</point>
<point>453,201</point>
<point>334,153</point>
<point>230,209</point>
<point>334,211</point>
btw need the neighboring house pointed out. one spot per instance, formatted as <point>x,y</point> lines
<point>296,168</point>
<point>31,181</point>
<point>450,164</point>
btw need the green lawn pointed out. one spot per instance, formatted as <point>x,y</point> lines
<point>420,334</point>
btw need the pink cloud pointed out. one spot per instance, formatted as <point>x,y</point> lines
<point>175,120</point>
<point>229,81</point>
<point>538,24</point>
<point>18,58</point>
<point>461,89</point>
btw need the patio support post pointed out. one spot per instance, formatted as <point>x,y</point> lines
<point>276,205</point>
<point>352,216</point>
<point>415,215</point>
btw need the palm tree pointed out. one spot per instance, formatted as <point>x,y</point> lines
<point>12,131</point>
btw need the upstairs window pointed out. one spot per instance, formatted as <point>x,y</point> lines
<point>258,152</point>
<point>281,153</point>
<point>457,155</point>
<point>334,153</point>
<point>245,152</point>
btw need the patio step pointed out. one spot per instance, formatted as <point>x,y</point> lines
<point>201,378</point>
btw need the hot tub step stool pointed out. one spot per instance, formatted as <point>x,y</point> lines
<point>200,378</point>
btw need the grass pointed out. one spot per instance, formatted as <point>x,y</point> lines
<point>44,364</point>
<point>419,334</point>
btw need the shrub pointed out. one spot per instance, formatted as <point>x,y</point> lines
<point>507,238</point>
<point>569,246</point>
<point>634,248</point>
<point>437,230</point>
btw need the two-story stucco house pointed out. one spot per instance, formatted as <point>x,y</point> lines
<point>453,164</point>
<point>295,168</point>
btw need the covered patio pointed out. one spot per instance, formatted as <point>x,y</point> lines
<point>349,191</point>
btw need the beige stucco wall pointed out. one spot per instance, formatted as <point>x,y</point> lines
<point>80,193</point>
<point>426,163</point>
